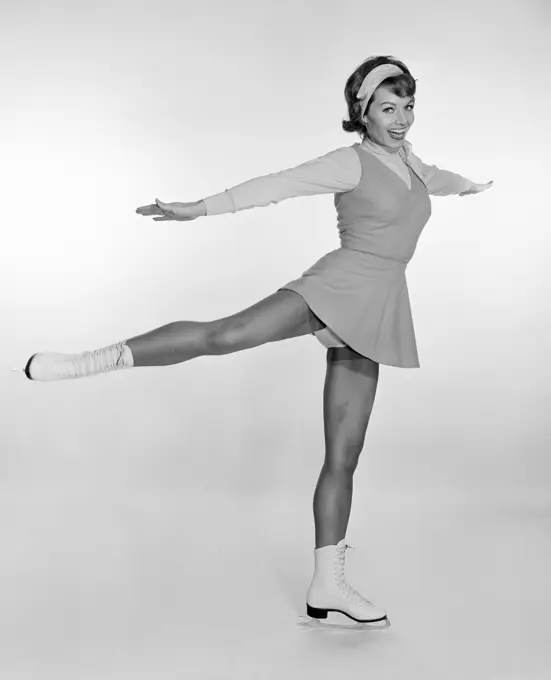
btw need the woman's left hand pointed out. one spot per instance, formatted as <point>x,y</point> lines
<point>477,188</point>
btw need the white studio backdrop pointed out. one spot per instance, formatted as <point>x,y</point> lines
<point>113,482</point>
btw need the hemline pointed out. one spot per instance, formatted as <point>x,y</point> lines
<point>384,363</point>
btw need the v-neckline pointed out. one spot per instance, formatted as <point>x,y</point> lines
<point>411,172</point>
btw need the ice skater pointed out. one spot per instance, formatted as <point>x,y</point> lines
<point>354,300</point>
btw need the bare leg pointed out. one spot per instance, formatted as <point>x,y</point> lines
<point>349,394</point>
<point>280,316</point>
<point>171,344</point>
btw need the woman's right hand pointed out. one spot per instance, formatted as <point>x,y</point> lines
<point>180,212</point>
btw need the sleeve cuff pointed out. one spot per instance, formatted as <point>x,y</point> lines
<point>219,204</point>
<point>467,184</point>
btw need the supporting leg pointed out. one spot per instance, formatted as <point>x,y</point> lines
<point>349,395</point>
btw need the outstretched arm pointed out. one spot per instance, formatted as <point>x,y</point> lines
<point>335,172</point>
<point>445,183</point>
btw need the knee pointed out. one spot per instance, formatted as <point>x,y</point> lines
<point>343,458</point>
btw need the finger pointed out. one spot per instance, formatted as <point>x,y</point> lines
<point>162,206</point>
<point>162,219</point>
<point>149,210</point>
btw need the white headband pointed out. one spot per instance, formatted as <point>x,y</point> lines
<point>372,81</point>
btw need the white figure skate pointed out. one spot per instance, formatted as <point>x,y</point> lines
<point>48,366</point>
<point>329,592</point>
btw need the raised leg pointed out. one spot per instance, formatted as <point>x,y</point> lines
<point>282,315</point>
<point>349,395</point>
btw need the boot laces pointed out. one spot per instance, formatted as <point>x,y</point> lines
<point>97,354</point>
<point>119,347</point>
<point>345,587</point>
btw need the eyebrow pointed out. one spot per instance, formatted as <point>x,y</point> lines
<point>394,103</point>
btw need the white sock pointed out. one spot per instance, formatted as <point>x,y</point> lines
<point>55,366</point>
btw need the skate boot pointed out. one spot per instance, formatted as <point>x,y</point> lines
<point>50,366</point>
<point>329,591</point>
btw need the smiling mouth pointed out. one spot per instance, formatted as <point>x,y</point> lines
<point>397,134</point>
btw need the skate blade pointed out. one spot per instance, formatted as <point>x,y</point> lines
<point>337,621</point>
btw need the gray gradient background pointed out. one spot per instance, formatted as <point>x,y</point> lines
<point>157,523</point>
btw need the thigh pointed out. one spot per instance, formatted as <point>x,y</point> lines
<point>348,398</point>
<point>282,315</point>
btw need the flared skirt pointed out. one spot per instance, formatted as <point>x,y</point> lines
<point>363,300</point>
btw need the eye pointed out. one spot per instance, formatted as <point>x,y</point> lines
<point>390,108</point>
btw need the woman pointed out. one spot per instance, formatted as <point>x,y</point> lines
<point>354,299</point>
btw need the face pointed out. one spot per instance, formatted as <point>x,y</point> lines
<point>388,112</point>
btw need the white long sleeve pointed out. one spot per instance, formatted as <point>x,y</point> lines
<point>440,182</point>
<point>335,172</point>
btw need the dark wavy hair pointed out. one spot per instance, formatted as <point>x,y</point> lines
<point>403,85</point>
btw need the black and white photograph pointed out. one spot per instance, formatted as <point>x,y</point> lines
<point>228,228</point>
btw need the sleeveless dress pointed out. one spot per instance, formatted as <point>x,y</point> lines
<point>359,291</point>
